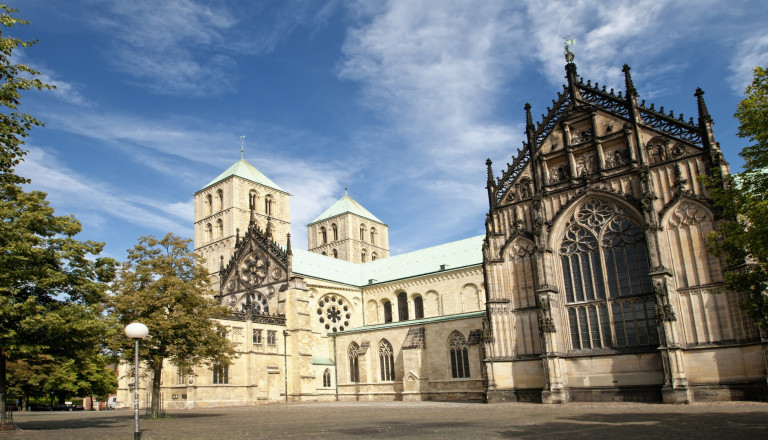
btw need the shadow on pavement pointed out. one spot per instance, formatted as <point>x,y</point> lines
<point>704,425</point>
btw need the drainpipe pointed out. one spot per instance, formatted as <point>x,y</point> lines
<point>335,369</point>
<point>285,363</point>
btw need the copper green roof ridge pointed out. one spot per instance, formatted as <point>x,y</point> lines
<point>244,170</point>
<point>346,205</point>
<point>455,255</point>
<point>413,322</point>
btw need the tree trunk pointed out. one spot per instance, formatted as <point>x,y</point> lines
<point>157,371</point>
<point>3,386</point>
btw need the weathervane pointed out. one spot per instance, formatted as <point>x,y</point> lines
<point>346,185</point>
<point>242,147</point>
<point>568,43</point>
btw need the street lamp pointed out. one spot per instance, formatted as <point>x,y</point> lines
<point>136,331</point>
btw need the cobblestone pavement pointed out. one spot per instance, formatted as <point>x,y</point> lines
<point>428,420</point>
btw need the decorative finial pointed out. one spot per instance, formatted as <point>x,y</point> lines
<point>242,147</point>
<point>568,43</point>
<point>628,84</point>
<point>528,117</point>
<point>702,106</point>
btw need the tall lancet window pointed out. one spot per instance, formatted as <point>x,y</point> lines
<point>386,361</point>
<point>459,355</point>
<point>608,292</point>
<point>354,366</point>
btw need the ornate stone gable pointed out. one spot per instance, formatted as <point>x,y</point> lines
<point>258,270</point>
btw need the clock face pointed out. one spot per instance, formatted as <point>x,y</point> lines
<point>253,270</point>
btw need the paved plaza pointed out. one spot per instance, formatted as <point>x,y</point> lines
<point>429,420</point>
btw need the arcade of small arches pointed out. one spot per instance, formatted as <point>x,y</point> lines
<point>405,307</point>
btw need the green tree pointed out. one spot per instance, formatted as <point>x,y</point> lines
<point>165,286</point>
<point>14,78</point>
<point>742,238</point>
<point>47,278</point>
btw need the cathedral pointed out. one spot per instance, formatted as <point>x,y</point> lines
<point>591,283</point>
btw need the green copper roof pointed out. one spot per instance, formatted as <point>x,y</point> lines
<point>414,322</point>
<point>346,205</point>
<point>246,171</point>
<point>454,255</point>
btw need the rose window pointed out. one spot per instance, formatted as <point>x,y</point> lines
<point>253,270</point>
<point>333,313</point>
<point>257,303</point>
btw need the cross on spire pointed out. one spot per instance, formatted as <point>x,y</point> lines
<point>568,43</point>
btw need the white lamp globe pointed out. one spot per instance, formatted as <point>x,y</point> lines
<point>136,330</point>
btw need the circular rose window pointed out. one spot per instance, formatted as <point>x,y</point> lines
<point>333,313</point>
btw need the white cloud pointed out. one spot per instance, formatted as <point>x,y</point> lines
<point>752,52</point>
<point>93,199</point>
<point>433,72</point>
<point>188,47</point>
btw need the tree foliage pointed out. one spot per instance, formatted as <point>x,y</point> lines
<point>165,286</point>
<point>52,286</point>
<point>14,78</point>
<point>742,238</point>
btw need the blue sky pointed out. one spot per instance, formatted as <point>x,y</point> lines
<point>400,100</point>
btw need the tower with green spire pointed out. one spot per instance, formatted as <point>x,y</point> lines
<point>225,207</point>
<point>348,231</point>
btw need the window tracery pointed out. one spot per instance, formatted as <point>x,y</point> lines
<point>605,274</point>
<point>354,367</point>
<point>386,361</point>
<point>333,313</point>
<point>688,214</point>
<point>327,378</point>
<point>459,355</point>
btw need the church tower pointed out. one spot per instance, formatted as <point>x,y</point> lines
<point>348,231</point>
<point>223,209</point>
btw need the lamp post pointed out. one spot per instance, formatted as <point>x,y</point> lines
<point>136,331</point>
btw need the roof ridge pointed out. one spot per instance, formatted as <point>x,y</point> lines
<point>342,206</point>
<point>244,170</point>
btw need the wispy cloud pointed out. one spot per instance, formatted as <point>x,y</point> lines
<point>97,199</point>
<point>432,70</point>
<point>751,53</point>
<point>179,149</point>
<point>189,47</point>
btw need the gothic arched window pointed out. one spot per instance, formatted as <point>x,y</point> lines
<point>459,355</point>
<point>327,378</point>
<point>605,271</point>
<point>402,306</point>
<point>418,307</point>
<point>268,205</point>
<point>386,361</point>
<point>354,367</point>
<point>335,230</point>
<point>387,311</point>
<point>374,256</point>
<point>324,234</point>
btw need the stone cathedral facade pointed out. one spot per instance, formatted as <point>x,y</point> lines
<point>599,282</point>
<point>592,281</point>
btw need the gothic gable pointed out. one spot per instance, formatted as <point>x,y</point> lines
<point>590,132</point>
<point>258,269</point>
